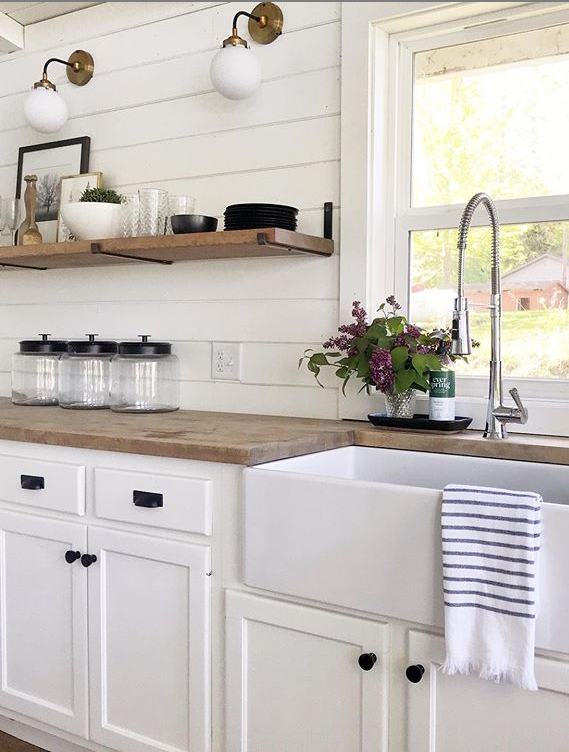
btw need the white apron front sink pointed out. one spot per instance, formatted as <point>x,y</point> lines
<point>359,527</point>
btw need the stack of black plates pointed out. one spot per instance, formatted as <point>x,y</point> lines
<point>254,216</point>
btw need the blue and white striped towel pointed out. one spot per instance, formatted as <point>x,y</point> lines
<point>491,542</point>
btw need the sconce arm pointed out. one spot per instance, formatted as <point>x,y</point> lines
<point>76,65</point>
<point>258,19</point>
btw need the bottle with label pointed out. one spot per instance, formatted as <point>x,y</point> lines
<point>441,395</point>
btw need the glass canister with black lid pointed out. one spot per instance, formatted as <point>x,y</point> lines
<point>35,371</point>
<point>85,373</point>
<point>145,378</point>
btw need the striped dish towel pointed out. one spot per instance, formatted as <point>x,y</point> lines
<point>491,542</point>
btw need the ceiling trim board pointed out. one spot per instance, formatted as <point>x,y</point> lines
<point>11,34</point>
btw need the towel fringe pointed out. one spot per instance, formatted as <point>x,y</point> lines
<point>521,679</point>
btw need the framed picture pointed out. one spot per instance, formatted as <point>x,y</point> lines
<point>70,189</point>
<point>50,162</point>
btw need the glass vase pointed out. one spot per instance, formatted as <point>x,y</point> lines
<point>400,405</point>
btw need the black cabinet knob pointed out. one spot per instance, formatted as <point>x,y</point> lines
<point>32,482</point>
<point>367,661</point>
<point>415,673</point>
<point>88,559</point>
<point>71,556</point>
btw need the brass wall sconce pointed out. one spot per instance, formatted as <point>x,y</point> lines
<point>235,71</point>
<point>44,108</point>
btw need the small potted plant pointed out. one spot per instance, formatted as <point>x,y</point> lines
<point>388,355</point>
<point>96,216</point>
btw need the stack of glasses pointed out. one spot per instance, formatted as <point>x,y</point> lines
<point>149,211</point>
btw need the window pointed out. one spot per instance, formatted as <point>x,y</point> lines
<point>523,304</point>
<point>486,109</point>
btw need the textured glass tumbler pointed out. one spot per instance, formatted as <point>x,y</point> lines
<point>130,215</point>
<point>153,211</point>
<point>178,205</point>
<point>10,217</point>
<point>400,405</point>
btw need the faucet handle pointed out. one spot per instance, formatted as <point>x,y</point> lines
<point>523,413</point>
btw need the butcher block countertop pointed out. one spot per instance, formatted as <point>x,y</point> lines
<point>247,439</point>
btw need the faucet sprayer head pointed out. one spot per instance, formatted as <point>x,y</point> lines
<point>460,331</point>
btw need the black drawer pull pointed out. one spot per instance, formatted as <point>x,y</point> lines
<point>88,559</point>
<point>32,482</point>
<point>147,499</point>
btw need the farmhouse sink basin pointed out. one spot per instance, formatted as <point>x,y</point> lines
<point>359,528</point>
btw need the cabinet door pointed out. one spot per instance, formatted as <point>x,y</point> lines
<point>294,682</point>
<point>43,625</point>
<point>450,713</point>
<point>149,643</point>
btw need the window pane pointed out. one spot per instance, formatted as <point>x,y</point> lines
<point>491,116</point>
<point>535,319</point>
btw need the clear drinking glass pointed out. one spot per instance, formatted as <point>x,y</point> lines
<point>153,211</point>
<point>10,217</point>
<point>179,205</point>
<point>130,215</point>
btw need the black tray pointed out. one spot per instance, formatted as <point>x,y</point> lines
<point>421,423</point>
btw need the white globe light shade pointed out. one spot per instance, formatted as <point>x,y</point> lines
<point>45,110</point>
<point>235,72</point>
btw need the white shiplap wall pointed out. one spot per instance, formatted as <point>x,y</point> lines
<point>154,120</point>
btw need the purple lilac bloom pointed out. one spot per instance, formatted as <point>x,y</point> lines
<point>381,367</point>
<point>412,331</point>
<point>393,302</point>
<point>349,332</point>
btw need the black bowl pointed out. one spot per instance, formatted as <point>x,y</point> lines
<point>182,223</point>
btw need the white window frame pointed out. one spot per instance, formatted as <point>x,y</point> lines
<point>378,43</point>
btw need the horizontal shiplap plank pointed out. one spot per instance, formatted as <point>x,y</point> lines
<point>236,320</point>
<point>304,186</point>
<point>232,279</point>
<point>233,397</point>
<point>272,363</point>
<point>224,153</point>
<point>253,149</point>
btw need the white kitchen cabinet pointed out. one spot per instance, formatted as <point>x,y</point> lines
<point>149,646</point>
<point>294,683</point>
<point>449,713</point>
<point>43,629</point>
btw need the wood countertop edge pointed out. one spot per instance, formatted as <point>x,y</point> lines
<point>187,450</point>
<point>524,447</point>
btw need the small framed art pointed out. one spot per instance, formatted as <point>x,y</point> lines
<point>50,162</point>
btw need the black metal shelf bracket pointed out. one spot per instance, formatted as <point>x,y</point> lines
<point>23,266</point>
<point>328,217</point>
<point>96,249</point>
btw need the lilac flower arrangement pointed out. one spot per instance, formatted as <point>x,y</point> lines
<point>388,354</point>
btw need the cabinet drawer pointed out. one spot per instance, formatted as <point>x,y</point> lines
<point>158,500</point>
<point>37,483</point>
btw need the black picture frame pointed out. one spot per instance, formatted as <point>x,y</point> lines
<point>48,225</point>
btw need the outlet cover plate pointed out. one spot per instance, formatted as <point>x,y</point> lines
<point>226,361</point>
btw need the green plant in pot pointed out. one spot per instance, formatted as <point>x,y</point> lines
<point>96,216</point>
<point>388,355</point>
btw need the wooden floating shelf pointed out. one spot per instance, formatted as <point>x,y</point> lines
<point>165,249</point>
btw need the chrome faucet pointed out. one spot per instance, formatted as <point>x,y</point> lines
<point>498,414</point>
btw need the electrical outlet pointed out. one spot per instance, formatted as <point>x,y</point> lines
<point>226,361</point>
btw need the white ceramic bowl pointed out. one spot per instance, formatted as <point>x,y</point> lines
<point>90,220</point>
